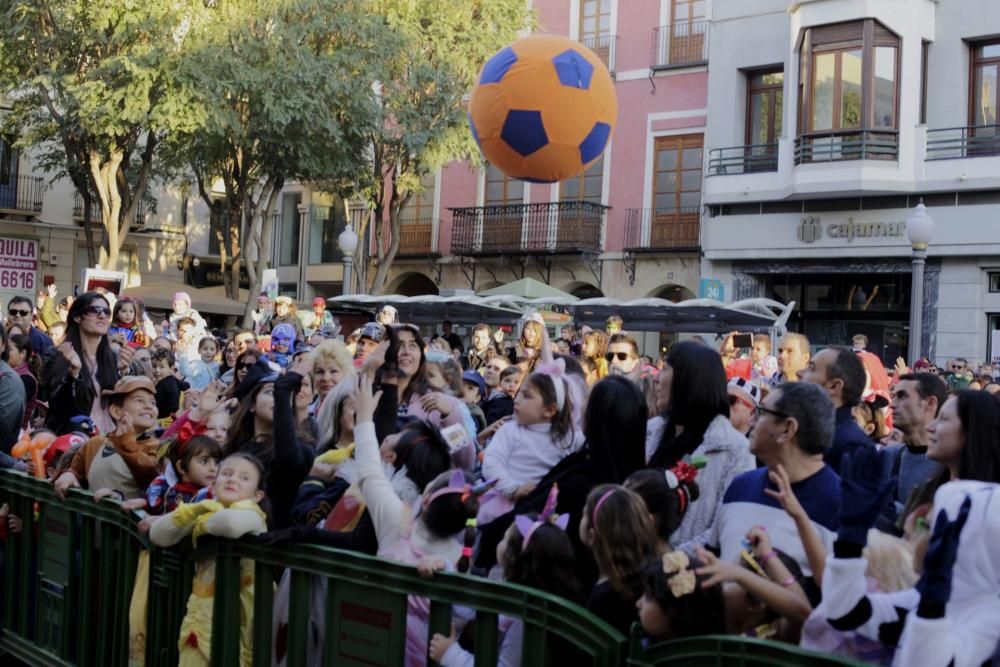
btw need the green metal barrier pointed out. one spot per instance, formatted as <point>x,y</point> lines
<point>728,651</point>
<point>69,577</point>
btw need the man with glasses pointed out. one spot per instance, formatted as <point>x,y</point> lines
<point>623,357</point>
<point>959,375</point>
<point>792,430</point>
<point>841,373</point>
<point>19,313</point>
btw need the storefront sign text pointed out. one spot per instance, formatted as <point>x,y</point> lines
<point>811,229</point>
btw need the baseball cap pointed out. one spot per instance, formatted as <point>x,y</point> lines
<point>472,377</point>
<point>374,331</point>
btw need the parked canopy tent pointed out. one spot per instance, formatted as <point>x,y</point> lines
<point>528,288</point>
<point>691,316</point>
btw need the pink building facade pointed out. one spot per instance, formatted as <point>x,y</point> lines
<point>630,226</point>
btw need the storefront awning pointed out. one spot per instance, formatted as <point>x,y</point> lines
<point>206,300</point>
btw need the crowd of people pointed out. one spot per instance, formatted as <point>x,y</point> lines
<point>809,496</point>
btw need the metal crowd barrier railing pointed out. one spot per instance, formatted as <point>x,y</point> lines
<point>69,577</point>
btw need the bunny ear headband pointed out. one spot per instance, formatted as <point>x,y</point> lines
<point>556,370</point>
<point>457,484</point>
<point>527,527</point>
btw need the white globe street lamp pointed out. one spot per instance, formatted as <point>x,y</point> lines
<point>348,243</point>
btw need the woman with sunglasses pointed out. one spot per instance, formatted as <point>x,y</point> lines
<point>695,422</point>
<point>83,368</point>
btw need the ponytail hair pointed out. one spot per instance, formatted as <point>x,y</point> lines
<point>451,507</point>
<point>667,499</point>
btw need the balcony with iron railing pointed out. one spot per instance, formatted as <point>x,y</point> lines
<point>954,143</point>
<point>96,216</point>
<point>567,227</point>
<point>682,44</point>
<point>416,237</point>
<point>749,159</point>
<point>652,229</point>
<point>840,145</point>
<point>603,47</point>
<point>21,195</point>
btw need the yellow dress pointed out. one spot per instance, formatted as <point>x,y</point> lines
<point>195,642</point>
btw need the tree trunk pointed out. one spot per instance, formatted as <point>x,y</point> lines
<point>386,254</point>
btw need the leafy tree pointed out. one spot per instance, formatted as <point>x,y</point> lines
<point>422,101</point>
<point>287,92</point>
<point>92,91</point>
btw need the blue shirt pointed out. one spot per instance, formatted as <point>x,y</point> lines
<point>745,505</point>
<point>847,438</point>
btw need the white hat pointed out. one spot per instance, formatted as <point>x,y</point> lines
<point>747,387</point>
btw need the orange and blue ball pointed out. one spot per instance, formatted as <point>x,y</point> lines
<point>543,109</point>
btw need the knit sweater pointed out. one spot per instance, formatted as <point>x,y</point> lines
<point>728,455</point>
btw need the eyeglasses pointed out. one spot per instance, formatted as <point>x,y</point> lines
<point>733,400</point>
<point>17,312</point>
<point>954,367</point>
<point>97,311</point>
<point>761,411</point>
<point>622,356</point>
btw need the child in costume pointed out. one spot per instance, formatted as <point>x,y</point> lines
<point>234,512</point>
<point>194,463</point>
<point>282,344</point>
<point>126,320</point>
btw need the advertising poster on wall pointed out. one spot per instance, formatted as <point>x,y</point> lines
<point>19,265</point>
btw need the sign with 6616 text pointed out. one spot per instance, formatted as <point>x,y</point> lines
<point>18,267</point>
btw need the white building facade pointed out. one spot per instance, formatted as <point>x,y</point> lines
<point>828,121</point>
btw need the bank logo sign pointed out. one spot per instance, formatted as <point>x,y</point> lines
<point>812,229</point>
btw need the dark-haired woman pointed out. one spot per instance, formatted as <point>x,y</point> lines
<point>264,425</point>
<point>695,422</point>
<point>27,365</point>
<point>614,426</point>
<point>84,366</point>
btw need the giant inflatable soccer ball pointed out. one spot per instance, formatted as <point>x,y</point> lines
<point>543,109</point>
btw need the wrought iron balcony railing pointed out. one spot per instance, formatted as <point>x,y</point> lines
<point>747,159</point>
<point>416,237</point>
<point>680,44</point>
<point>603,47</point>
<point>96,216</point>
<point>662,228</point>
<point>837,145</point>
<point>568,227</point>
<point>962,142</point>
<point>21,194</point>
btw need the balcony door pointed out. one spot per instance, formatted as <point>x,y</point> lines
<point>8,175</point>
<point>985,99</point>
<point>504,216</point>
<point>765,95</point>
<point>687,31</point>
<point>577,223</point>
<point>676,211</point>
<point>417,224</point>
<point>595,28</point>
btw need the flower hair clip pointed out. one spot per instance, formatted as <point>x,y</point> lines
<point>683,581</point>
<point>527,527</point>
<point>681,472</point>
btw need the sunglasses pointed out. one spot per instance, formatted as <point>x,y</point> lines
<point>16,312</point>
<point>97,311</point>
<point>761,411</point>
<point>622,356</point>
<point>954,367</point>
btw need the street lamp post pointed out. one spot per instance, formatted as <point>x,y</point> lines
<point>919,228</point>
<point>348,243</point>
